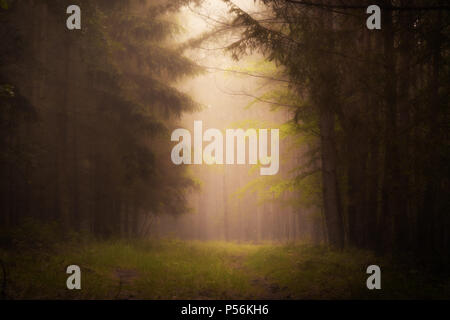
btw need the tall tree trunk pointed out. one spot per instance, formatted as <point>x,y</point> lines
<point>330,191</point>
<point>325,92</point>
<point>390,193</point>
<point>428,213</point>
<point>403,218</point>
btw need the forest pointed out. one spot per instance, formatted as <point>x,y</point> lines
<point>87,178</point>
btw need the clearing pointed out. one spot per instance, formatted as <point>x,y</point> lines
<point>173,269</point>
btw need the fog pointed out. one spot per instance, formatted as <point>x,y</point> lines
<point>103,162</point>
<point>233,202</point>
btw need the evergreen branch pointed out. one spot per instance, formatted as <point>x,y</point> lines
<point>358,7</point>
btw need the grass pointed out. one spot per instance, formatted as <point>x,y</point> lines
<point>307,272</point>
<point>172,269</point>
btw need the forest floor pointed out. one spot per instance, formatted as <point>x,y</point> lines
<point>173,269</point>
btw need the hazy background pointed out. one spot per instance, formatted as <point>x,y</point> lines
<point>234,202</point>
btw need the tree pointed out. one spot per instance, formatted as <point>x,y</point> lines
<point>105,102</point>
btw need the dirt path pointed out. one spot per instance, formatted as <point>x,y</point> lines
<point>125,278</point>
<point>266,288</point>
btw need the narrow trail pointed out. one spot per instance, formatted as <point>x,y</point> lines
<point>262,287</point>
<point>126,277</point>
<point>266,288</point>
<point>172,270</point>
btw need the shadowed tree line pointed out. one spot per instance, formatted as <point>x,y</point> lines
<point>85,115</point>
<point>377,103</point>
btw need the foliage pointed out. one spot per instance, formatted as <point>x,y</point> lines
<point>85,114</point>
<point>373,107</point>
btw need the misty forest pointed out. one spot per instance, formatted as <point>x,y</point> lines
<point>86,176</point>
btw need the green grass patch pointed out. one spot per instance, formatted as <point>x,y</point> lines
<point>307,272</point>
<point>131,269</point>
<point>173,269</point>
